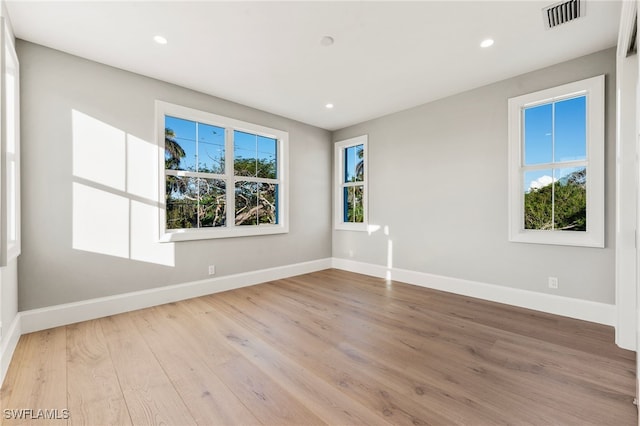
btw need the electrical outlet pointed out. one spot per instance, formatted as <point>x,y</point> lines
<point>212,269</point>
<point>553,282</point>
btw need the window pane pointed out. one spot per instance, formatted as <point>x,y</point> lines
<point>246,203</point>
<point>538,128</point>
<point>354,163</point>
<point>570,195</point>
<point>538,199</point>
<point>212,208</point>
<point>179,144</point>
<point>353,204</point>
<point>267,155</point>
<point>245,147</point>
<point>256,203</point>
<point>182,202</point>
<point>195,202</point>
<point>570,140</point>
<point>267,203</point>
<point>12,227</point>
<point>210,149</point>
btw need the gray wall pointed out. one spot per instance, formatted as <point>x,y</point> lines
<point>53,85</point>
<point>438,180</point>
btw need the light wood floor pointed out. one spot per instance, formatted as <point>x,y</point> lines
<point>326,348</point>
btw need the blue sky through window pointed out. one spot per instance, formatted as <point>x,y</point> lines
<point>208,155</point>
<point>553,133</point>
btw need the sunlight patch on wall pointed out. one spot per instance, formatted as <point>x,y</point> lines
<point>142,168</point>
<point>115,196</point>
<point>100,221</point>
<point>98,151</point>
<point>144,220</point>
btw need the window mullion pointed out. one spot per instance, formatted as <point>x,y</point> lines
<point>553,170</point>
<point>229,175</point>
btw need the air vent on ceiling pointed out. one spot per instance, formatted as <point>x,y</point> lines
<point>563,12</point>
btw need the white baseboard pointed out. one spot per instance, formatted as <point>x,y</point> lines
<point>586,310</point>
<point>69,313</point>
<point>8,346</point>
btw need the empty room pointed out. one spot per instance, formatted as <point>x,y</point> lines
<point>323,212</point>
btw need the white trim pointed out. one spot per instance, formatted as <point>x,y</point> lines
<point>8,346</point>
<point>586,310</point>
<point>69,313</point>
<point>594,235</point>
<point>9,185</point>
<point>626,181</point>
<point>338,204</point>
<point>230,125</point>
<point>627,20</point>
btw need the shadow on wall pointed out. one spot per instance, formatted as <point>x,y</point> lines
<point>115,193</point>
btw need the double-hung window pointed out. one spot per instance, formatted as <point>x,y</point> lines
<point>220,177</point>
<point>351,212</point>
<point>556,155</point>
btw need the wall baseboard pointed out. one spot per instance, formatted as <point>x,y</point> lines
<point>69,313</point>
<point>8,346</point>
<point>586,310</point>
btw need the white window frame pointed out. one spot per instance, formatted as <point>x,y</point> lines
<point>340,148</point>
<point>230,125</point>
<point>10,246</point>
<point>593,88</point>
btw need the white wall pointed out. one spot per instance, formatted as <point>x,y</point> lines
<point>626,182</point>
<point>438,181</point>
<point>89,204</point>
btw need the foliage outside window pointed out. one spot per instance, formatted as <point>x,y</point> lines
<point>221,177</point>
<point>556,152</point>
<point>351,184</point>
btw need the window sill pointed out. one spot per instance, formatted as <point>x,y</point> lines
<point>560,238</point>
<point>208,234</point>
<point>361,227</point>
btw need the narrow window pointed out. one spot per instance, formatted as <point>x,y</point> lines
<point>351,184</point>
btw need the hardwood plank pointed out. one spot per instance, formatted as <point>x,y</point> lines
<point>327,402</point>
<point>339,371</point>
<point>190,364</point>
<point>330,347</point>
<point>268,401</point>
<point>39,380</point>
<point>94,393</point>
<point>150,396</point>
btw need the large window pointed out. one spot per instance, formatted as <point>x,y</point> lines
<point>351,184</point>
<point>556,154</point>
<point>220,177</point>
<point>10,150</point>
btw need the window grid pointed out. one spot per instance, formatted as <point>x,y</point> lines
<point>578,204</point>
<point>262,196</point>
<point>351,204</point>
<point>553,165</point>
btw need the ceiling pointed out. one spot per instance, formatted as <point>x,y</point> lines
<point>387,56</point>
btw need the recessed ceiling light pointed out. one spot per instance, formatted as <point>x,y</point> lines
<point>487,42</point>
<point>160,40</point>
<point>328,106</point>
<point>326,41</point>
